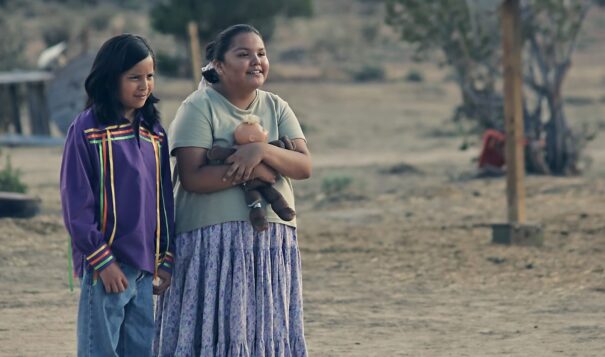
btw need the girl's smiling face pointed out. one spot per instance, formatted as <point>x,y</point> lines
<point>246,65</point>
<point>136,85</point>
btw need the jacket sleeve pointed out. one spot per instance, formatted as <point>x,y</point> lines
<point>78,201</point>
<point>167,247</point>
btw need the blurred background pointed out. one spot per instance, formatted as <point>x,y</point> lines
<point>402,105</point>
<point>436,46</point>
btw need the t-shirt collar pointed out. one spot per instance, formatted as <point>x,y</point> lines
<point>221,97</point>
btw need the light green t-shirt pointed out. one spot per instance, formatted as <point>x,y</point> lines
<point>207,118</point>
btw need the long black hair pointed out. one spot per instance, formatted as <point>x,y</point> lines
<point>116,56</point>
<point>215,50</point>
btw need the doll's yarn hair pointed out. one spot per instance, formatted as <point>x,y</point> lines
<point>215,50</point>
<point>251,119</point>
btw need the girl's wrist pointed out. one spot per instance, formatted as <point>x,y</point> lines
<point>263,149</point>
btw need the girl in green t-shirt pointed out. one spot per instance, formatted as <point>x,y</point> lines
<point>234,291</point>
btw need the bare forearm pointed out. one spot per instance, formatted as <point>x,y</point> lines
<point>205,179</point>
<point>293,164</point>
<point>209,178</point>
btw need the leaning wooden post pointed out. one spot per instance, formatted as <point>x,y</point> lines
<point>196,59</point>
<point>516,231</point>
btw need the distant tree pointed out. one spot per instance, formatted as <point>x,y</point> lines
<point>294,8</point>
<point>468,43</point>
<point>12,56</point>
<point>212,16</point>
<point>467,35</point>
<point>12,45</point>
<point>550,31</point>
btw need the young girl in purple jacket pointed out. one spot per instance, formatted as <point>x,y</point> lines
<point>117,201</point>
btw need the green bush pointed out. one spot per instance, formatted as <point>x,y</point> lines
<point>414,75</point>
<point>369,73</point>
<point>100,19</point>
<point>12,45</point>
<point>10,179</point>
<point>335,185</point>
<point>168,65</point>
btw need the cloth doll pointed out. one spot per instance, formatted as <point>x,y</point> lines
<point>250,131</point>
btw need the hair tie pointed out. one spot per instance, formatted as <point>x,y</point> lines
<point>203,83</point>
<point>207,67</point>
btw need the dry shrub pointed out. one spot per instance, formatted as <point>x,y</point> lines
<point>10,178</point>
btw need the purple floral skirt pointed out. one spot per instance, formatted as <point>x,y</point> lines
<point>233,293</point>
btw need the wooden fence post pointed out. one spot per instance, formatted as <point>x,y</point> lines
<point>516,231</point>
<point>513,111</point>
<point>196,53</point>
<point>15,100</point>
<point>36,100</point>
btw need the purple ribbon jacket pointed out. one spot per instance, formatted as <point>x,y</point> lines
<point>116,194</point>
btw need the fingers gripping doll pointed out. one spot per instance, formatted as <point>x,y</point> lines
<point>250,131</point>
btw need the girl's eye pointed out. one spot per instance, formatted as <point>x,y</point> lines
<point>243,54</point>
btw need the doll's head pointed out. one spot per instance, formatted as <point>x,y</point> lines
<point>250,131</point>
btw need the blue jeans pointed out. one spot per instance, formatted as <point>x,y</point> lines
<point>116,324</point>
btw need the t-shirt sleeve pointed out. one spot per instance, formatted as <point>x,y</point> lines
<point>287,122</point>
<point>191,127</point>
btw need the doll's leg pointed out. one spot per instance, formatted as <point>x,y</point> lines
<point>278,202</point>
<point>257,215</point>
<point>288,144</point>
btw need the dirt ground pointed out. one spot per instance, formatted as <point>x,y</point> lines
<point>399,262</point>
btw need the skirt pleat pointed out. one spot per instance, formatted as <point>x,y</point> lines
<point>234,293</point>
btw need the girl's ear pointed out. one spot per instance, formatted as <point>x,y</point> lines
<point>218,67</point>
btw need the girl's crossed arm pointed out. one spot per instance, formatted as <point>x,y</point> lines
<point>197,176</point>
<point>294,164</point>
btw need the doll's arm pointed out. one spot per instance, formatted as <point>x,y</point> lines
<point>284,142</point>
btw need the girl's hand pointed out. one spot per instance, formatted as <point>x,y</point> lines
<point>113,279</point>
<point>164,278</point>
<point>264,173</point>
<point>243,162</point>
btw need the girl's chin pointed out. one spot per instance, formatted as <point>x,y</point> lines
<point>257,82</point>
<point>140,103</point>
